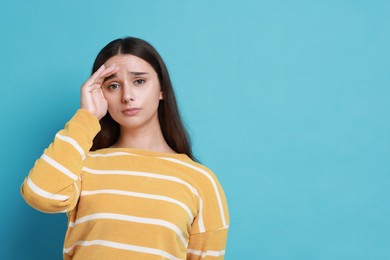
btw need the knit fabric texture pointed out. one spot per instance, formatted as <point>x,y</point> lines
<point>126,203</point>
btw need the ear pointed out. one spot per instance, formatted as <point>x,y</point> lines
<point>161,97</point>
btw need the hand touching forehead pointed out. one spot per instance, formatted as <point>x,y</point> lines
<point>127,63</point>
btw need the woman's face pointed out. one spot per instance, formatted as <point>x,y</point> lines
<point>133,93</point>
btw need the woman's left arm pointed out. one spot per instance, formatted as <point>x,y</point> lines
<point>209,229</point>
<point>208,245</point>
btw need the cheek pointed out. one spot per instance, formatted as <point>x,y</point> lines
<point>155,98</point>
<point>112,101</point>
<point>150,94</point>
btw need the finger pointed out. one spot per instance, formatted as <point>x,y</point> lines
<point>100,73</point>
<point>93,78</point>
<point>106,73</point>
<point>95,81</point>
<point>98,94</point>
<point>97,73</point>
<point>99,99</point>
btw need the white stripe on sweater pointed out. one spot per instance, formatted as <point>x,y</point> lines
<point>110,154</point>
<point>150,221</point>
<point>43,193</point>
<point>73,143</point>
<point>141,249</point>
<point>207,253</point>
<point>211,179</point>
<point>142,195</point>
<point>156,176</point>
<point>141,174</point>
<point>59,167</point>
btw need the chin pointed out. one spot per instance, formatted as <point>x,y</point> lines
<point>136,122</point>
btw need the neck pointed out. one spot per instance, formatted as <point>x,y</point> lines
<point>146,138</point>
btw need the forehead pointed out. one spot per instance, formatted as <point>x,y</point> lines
<point>129,62</point>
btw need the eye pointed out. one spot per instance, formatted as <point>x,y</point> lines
<point>139,82</point>
<point>113,86</point>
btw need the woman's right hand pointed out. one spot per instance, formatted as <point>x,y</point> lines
<point>92,98</point>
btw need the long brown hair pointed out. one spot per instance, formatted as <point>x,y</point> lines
<point>169,118</point>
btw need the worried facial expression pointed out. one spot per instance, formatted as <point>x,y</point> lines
<point>133,92</point>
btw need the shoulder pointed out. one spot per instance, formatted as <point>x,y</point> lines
<point>204,179</point>
<point>213,207</point>
<point>196,170</point>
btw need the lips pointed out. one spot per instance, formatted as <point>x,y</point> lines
<point>131,111</point>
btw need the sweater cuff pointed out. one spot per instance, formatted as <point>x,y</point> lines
<point>83,127</point>
<point>88,119</point>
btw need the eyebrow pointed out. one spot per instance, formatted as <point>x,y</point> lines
<point>135,73</point>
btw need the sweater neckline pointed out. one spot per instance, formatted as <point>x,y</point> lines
<point>143,152</point>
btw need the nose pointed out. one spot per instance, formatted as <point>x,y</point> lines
<point>128,93</point>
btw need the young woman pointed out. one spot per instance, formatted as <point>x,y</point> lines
<point>123,170</point>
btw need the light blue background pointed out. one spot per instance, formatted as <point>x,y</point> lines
<point>287,101</point>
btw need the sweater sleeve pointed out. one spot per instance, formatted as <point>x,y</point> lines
<point>53,184</point>
<point>209,230</point>
<point>208,245</point>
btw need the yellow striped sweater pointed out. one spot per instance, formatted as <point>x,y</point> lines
<point>126,203</point>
